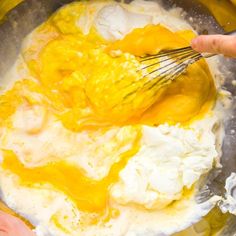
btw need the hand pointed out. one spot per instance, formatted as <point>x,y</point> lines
<point>217,44</point>
<point>12,226</point>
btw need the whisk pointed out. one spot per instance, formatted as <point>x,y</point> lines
<point>166,66</point>
<point>159,70</point>
<point>156,71</point>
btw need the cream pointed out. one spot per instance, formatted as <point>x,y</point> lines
<point>170,159</point>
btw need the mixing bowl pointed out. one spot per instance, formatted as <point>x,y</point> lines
<point>28,14</point>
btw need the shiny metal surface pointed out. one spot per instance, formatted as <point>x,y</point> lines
<point>30,13</point>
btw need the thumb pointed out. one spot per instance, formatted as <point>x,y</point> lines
<point>217,44</point>
<point>12,226</point>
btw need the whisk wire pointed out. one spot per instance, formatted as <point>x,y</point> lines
<point>166,53</point>
<point>175,63</point>
<point>169,65</point>
<point>166,58</point>
<point>173,70</point>
<point>182,59</point>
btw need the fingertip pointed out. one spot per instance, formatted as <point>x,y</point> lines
<point>194,43</point>
<point>202,43</point>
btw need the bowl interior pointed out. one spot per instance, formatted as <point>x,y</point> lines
<point>31,13</point>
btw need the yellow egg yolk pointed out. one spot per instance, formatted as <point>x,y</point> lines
<point>81,83</point>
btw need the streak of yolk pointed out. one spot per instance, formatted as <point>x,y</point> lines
<point>88,195</point>
<point>149,40</point>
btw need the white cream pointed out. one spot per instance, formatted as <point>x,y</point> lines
<point>170,159</point>
<point>113,21</point>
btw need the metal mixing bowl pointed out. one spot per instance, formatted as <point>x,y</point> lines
<point>30,13</point>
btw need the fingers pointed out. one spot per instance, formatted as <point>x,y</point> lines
<point>11,226</point>
<point>217,44</point>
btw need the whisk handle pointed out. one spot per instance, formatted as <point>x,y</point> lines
<point>231,33</point>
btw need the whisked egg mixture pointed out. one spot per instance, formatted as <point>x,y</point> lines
<point>80,158</point>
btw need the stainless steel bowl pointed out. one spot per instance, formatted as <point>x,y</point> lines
<point>30,13</point>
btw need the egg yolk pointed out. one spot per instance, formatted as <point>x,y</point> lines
<point>90,83</point>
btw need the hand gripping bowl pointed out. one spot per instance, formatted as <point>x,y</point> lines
<point>30,13</point>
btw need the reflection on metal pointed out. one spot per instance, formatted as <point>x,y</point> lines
<point>210,225</point>
<point>6,6</point>
<point>224,11</point>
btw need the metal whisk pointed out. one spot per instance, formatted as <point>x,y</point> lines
<point>157,71</point>
<point>166,66</point>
